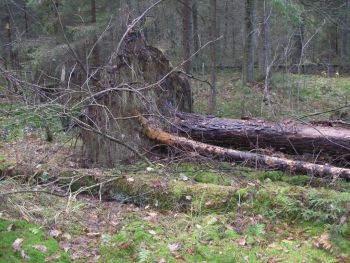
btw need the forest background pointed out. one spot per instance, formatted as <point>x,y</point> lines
<point>284,60</point>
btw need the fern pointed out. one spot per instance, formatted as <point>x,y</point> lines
<point>256,230</point>
<point>144,255</point>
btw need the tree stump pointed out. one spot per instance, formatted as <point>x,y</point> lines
<point>138,78</point>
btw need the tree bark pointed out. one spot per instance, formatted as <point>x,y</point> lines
<point>283,164</point>
<point>196,44</point>
<point>138,77</point>
<point>213,55</point>
<point>249,44</point>
<point>186,30</point>
<point>345,30</point>
<point>95,55</point>
<point>288,136</point>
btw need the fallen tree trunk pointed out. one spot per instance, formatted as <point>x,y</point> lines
<point>282,164</point>
<point>289,137</point>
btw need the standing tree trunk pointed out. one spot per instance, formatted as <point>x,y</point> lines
<point>95,59</point>
<point>346,30</point>
<point>225,34</point>
<point>25,19</point>
<point>213,54</point>
<point>196,45</point>
<point>10,53</point>
<point>186,31</point>
<point>267,53</point>
<point>233,43</point>
<point>299,46</point>
<point>249,44</point>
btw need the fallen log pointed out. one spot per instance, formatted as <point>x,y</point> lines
<point>283,164</point>
<point>289,136</point>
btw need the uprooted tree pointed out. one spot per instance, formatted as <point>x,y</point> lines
<point>142,101</point>
<point>138,79</point>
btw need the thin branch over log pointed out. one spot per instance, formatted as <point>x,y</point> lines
<point>234,155</point>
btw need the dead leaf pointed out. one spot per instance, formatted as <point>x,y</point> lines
<point>343,220</point>
<point>188,197</point>
<point>93,234</point>
<point>149,169</point>
<point>275,260</point>
<point>179,257</point>
<point>272,245</point>
<point>152,232</point>
<point>152,216</point>
<point>348,207</point>
<point>161,260</point>
<point>54,232</point>
<point>16,245</point>
<point>41,248</point>
<point>229,227</point>
<point>209,204</point>
<point>52,257</point>
<point>65,245</point>
<point>24,255</point>
<point>77,255</point>
<point>191,251</point>
<point>259,255</point>
<point>183,177</point>
<point>10,227</point>
<point>242,241</point>
<point>323,242</point>
<point>174,247</point>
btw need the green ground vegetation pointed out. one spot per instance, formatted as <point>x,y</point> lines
<point>34,247</point>
<point>183,211</point>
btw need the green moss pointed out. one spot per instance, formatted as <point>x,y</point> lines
<point>6,168</point>
<point>340,235</point>
<point>201,197</point>
<point>22,120</point>
<point>32,235</point>
<point>206,238</point>
<point>76,180</point>
<point>211,177</point>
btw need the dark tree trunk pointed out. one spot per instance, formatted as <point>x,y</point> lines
<point>267,53</point>
<point>95,59</point>
<point>346,30</point>
<point>25,19</point>
<point>186,32</point>
<point>278,163</point>
<point>249,44</point>
<point>213,58</point>
<point>11,53</point>
<point>196,45</point>
<point>224,48</point>
<point>289,137</point>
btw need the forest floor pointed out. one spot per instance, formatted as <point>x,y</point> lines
<point>188,209</point>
